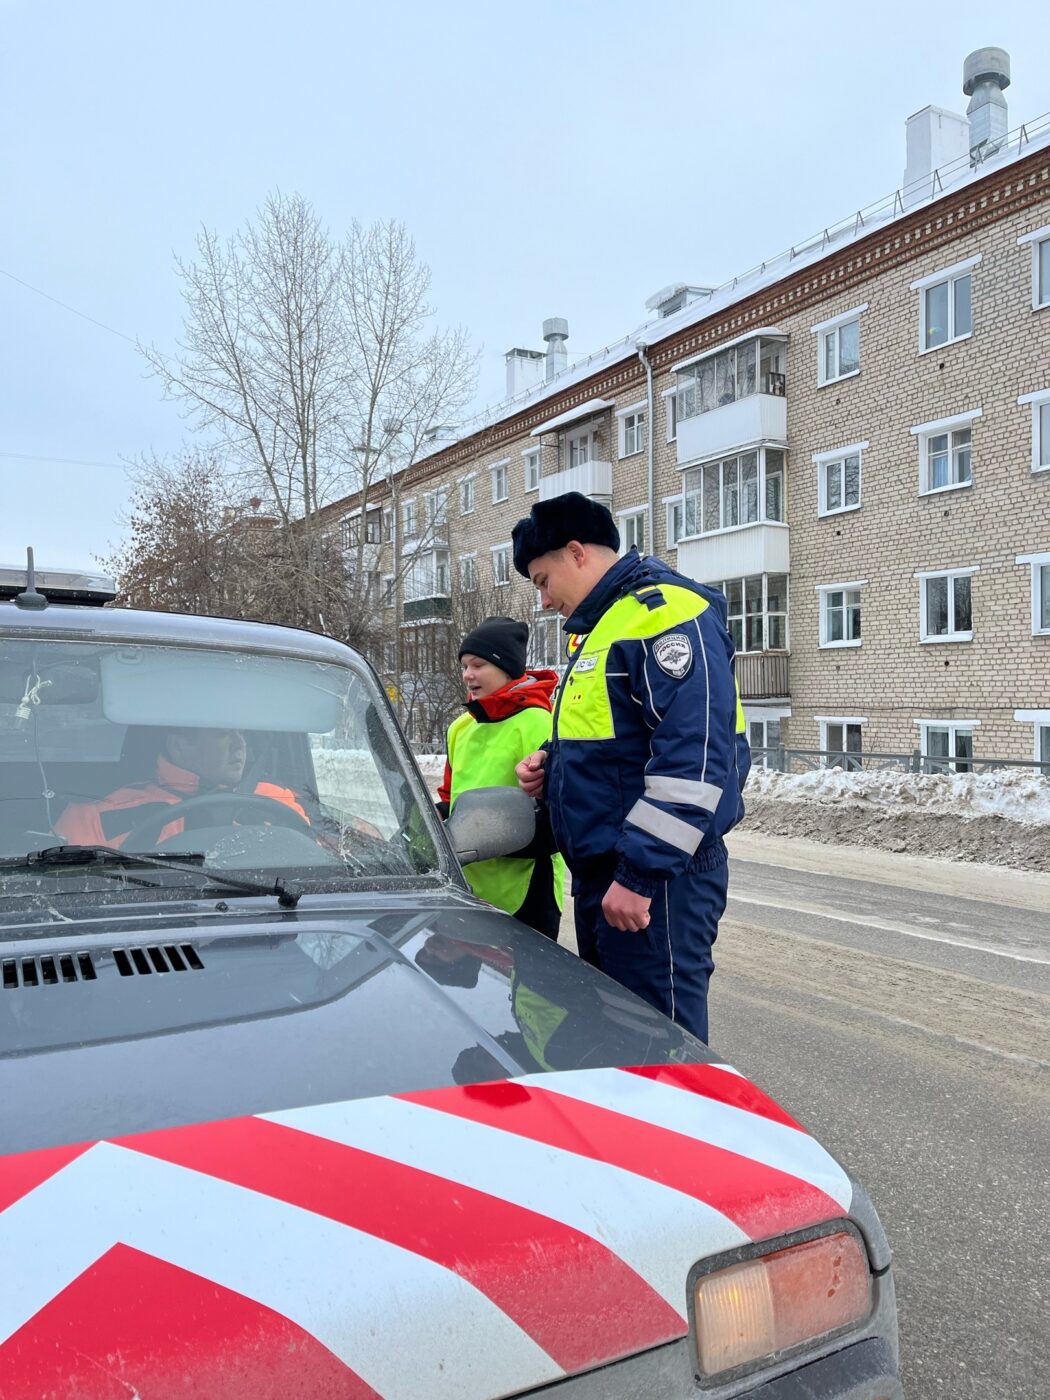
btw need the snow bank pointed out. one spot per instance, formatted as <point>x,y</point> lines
<point>1016,794</point>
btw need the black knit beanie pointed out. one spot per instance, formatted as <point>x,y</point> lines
<point>552,524</point>
<point>500,640</point>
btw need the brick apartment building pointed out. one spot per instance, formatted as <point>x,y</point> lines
<point>852,442</point>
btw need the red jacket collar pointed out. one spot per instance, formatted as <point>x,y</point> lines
<point>181,780</point>
<point>532,691</point>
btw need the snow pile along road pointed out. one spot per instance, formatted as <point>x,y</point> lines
<point>999,818</point>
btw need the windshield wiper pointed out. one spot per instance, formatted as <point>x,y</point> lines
<point>106,859</point>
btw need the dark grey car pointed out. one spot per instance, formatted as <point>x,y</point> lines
<point>288,1112</point>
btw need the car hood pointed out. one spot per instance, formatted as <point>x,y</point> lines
<point>398,1147</point>
<point>466,1242</point>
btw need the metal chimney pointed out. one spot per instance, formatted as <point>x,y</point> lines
<point>556,333</point>
<point>986,73</point>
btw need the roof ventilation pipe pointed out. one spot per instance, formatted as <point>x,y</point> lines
<point>556,333</point>
<point>986,72</point>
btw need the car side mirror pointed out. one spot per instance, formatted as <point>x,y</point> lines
<point>490,822</point>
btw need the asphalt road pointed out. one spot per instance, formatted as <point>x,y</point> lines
<point>901,1010</point>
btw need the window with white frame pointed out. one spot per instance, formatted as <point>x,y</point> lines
<point>1040,405</point>
<point>756,609</point>
<point>1040,567</point>
<point>739,490</point>
<point>632,429</point>
<point>632,529</point>
<point>838,479</point>
<point>675,507</point>
<point>671,413</point>
<point>945,305</point>
<point>842,741</point>
<point>945,462</point>
<point>763,737</point>
<point>388,524</point>
<point>947,745</point>
<point>373,527</point>
<point>389,590</point>
<point>435,506</point>
<point>1039,241</point>
<point>1040,720</point>
<point>427,576</point>
<point>350,532</point>
<point>945,611</point>
<point>838,346</point>
<point>408,519</point>
<point>468,573</point>
<point>840,610</point>
<point>717,378</point>
<point>500,482</point>
<point>546,640</point>
<point>466,496</point>
<point>532,469</point>
<point>501,565</point>
<point>579,447</point>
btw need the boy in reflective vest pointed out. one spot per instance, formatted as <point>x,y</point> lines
<point>644,771</point>
<point>508,716</point>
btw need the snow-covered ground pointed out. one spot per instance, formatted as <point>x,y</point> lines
<point>1016,794</point>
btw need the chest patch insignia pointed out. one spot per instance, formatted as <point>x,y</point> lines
<point>674,654</point>
<point>587,664</point>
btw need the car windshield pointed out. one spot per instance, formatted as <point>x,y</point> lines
<point>257,764</point>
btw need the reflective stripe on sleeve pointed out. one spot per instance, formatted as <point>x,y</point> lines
<point>663,825</point>
<point>690,793</point>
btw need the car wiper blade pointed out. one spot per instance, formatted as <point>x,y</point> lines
<point>107,858</point>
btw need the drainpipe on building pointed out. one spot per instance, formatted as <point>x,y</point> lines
<point>650,439</point>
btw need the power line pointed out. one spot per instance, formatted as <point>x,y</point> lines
<point>66,307</point>
<point>64,461</point>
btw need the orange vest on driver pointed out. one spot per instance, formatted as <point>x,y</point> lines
<point>108,821</point>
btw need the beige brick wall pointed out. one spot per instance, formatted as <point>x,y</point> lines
<point>891,678</point>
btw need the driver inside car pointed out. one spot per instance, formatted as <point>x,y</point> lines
<point>189,763</point>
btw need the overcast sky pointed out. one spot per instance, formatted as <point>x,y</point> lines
<point>550,160</point>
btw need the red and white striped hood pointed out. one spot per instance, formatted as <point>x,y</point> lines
<point>456,1244</point>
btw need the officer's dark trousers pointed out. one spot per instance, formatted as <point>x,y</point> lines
<point>670,963</point>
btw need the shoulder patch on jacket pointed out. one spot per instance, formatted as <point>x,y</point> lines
<point>674,654</point>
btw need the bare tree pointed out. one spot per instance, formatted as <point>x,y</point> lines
<point>431,689</point>
<point>194,546</point>
<point>314,363</point>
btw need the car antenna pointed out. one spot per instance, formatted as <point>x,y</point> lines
<point>30,598</point>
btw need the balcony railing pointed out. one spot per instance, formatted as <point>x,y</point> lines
<point>756,418</point>
<point>762,675</point>
<point>592,479</point>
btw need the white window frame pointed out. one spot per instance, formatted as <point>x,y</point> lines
<point>580,435</point>
<point>672,504</point>
<point>1037,238</point>
<point>1039,719</point>
<point>824,721</point>
<point>924,578</point>
<point>837,457</point>
<point>925,431</point>
<point>499,472</point>
<point>468,488</point>
<point>823,590</point>
<point>1039,400</point>
<point>1036,563</point>
<point>633,513</point>
<point>670,398</point>
<point>463,585</point>
<point>922,285</point>
<point>532,456</point>
<point>389,593</point>
<point>495,551</point>
<point>409,519</point>
<point>635,412</point>
<point>833,327</point>
<point>435,507</point>
<point>952,726</point>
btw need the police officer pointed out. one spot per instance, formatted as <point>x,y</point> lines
<point>644,772</point>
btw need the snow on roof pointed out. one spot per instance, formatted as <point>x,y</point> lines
<point>582,410</point>
<point>898,205</point>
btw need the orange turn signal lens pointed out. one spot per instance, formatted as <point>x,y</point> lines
<point>778,1301</point>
